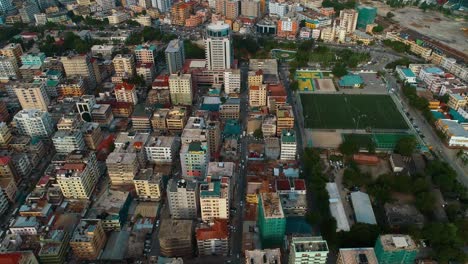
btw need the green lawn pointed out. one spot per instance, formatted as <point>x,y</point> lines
<point>336,111</point>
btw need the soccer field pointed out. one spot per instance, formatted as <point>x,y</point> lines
<point>337,111</point>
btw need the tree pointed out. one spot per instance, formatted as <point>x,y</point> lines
<point>425,202</point>
<point>390,15</point>
<point>339,70</point>
<point>302,23</point>
<point>406,146</point>
<point>193,51</point>
<point>378,29</point>
<point>445,242</point>
<point>258,133</point>
<point>349,146</point>
<point>360,235</point>
<point>294,86</point>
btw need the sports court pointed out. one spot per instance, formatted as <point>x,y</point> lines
<point>311,80</point>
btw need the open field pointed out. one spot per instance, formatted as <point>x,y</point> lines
<point>430,23</point>
<point>336,111</point>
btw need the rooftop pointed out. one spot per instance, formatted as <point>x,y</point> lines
<point>161,141</point>
<point>174,45</point>
<point>271,205</point>
<point>85,230</point>
<point>309,244</point>
<point>123,158</point>
<point>148,175</point>
<point>172,229</point>
<point>288,136</point>
<point>217,230</point>
<point>363,208</point>
<point>145,47</point>
<point>267,256</point>
<point>407,72</point>
<point>215,188</point>
<point>394,242</point>
<point>173,185</point>
<point>358,255</point>
<point>454,128</point>
<point>220,169</point>
<point>110,202</point>
<point>351,80</point>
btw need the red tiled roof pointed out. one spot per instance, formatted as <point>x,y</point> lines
<point>299,184</point>
<point>126,86</point>
<point>276,90</point>
<point>4,160</point>
<point>43,180</point>
<point>144,65</point>
<point>219,230</point>
<point>283,185</point>
<point>10,258</point>
<point>74,166</point>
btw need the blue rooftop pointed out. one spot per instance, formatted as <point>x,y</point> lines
<point>437,114</point>
<point>457,116</point>
<point>408,73</point>
<point>434,70</point>
<point>351,80</point>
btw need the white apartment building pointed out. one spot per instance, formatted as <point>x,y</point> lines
<point>162,149</point>
<point>288,145</point>
<point>218,47</point>
<point>5,134</point>
<point>68,141</point>
<point>232,81</point>
<point>311,250</point>
<point>122,167</point>
<point>124,65</point>
<point>118,17</point>
<point>258,95</point>
<point>180,89</point>
<point>105,50</point>
<point>183,199</point>
<point>348,20</point>
<point>34,123</point>
<point>214,199</point>
<point>126,92</point>
<point>276,8</point>
<point>106,4</point>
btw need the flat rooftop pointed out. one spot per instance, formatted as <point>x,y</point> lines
<point>110,202</point>
<point>396,242</point>
<point>271,205</point>
<point>258,256</point>
<point>215,188</point>
<point>220,169</point>
<point>172,229</point>
<point>123,158</point>
<point>84,232</point>
<point>162,142</point>
<point>148,175</point>
<point>309,244</point>
<point>358,255</point>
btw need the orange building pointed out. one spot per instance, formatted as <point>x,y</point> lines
<point>179,13</point>
<point>194,20</point>
<point>72,88</point>
<point>287,28</point>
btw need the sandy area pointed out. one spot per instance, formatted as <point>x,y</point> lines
<point>323,139</point>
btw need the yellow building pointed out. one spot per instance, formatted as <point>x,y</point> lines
<point>255,78</point>
<point>214,199</point>
<point>76,180</point>
<point>32,96</point>
<point>5,134</point>
<point>258,95</point>
<point>176,118</point>
<point>13,50</point>
<point>124,65</point>
<point>122,167</point>
<point>434,104</point>
<point>180,88</point>
<point>72,87</point>
<point>148,185</point>
<point>284,118</point>
<point>457,100</point>
<point>88,239</point>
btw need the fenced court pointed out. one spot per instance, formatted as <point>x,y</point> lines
<point>341,111</point>
<point>310,80</point>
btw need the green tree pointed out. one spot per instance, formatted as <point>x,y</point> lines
<point>339,70</point>
<point>349,146</point>
<point>425,202</point>
<point>360,235</point>
<point>445,242</point>
<point>406,146</point>
<point>258,133</point>
<point>294,86</point>
<point>378,29</point>
<point>193,51</point>
<point>390,15</point>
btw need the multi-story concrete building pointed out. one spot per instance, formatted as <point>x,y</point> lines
<point>8,171</point>
<point>148,185</point>
<point>394,248</point>
<point>106,5</point>
<point>356,256</point>
<point>74,87</point>
<point>175,55</point>
<point>176,238</point>
<point>88,239</point>
<point>12,50</point>
<point>147,71</point>
<point>194,158</point>
<point>145,53</point>
<point>67,141</point>
<point>230,109</point>
<point>271,220</point>
<point>77,180</point>
<point>218,48</point>
<point>269,126</point>
<point>92,135</point>
<point>278,8</point>
<point>104,51</point>
<point>117,17</point>
<point>5,134</point>
<point>312,250</point>
<point>180,12</point>
<point>229,8</point>
<point>214,199</point>
<point>284,118</point>
<point>213,137</point>
<point>457,100</point>
<point>33,59</point>
<point>232,81</point>
<point>180,87</point>
<point>255,78</point>
<point>348,20</point>
<point>32,96</point>
<point>124,65</point>
<point>250,8</point>
<point>122,167</point>
<point>258,95</point>
<point>34,123</point>
<point>259,256</point>
<point>176,118</point>
<point>194,130</point>
<point>8,69</point>
<point>287,27</point>
<point>162,149</point>
<point>213,238</point>
<point>288,145</point>
<point>81,66</point>
<point>183,199</point>
<point>126,92</point>
<point>4,203</point>
<point>163,5</point>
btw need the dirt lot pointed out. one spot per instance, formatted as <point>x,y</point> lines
<point>376,170</point>
<point>432,24</point>
<point>323,139</point>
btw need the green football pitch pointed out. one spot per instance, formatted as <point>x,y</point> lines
<point>339,111</point>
